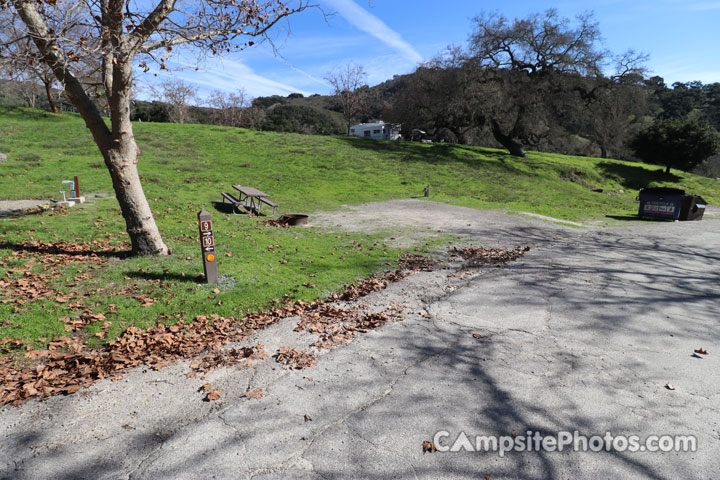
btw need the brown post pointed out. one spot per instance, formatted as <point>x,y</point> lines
<point>207,247</point>
<point>77,186</point>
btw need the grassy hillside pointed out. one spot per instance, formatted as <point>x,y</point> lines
<point>304,173</point>
<point>184,167</point>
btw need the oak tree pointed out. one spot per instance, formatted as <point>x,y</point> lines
<point>676,143</point>
<point>123,36</point>
<point>530,61</point>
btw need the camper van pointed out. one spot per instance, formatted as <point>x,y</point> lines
<point>377,131</point>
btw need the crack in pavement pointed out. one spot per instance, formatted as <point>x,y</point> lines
<point>291,461</point>
<point>377,447</point>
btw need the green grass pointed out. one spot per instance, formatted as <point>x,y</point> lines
<point>184,168</point>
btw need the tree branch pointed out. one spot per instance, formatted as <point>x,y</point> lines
<point>52,55</point>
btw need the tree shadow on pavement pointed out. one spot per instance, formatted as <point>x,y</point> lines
<point>612,300</point>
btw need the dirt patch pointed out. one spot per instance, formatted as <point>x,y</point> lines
<point>411,222</point>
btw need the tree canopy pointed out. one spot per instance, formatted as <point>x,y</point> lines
<point>676,143</point>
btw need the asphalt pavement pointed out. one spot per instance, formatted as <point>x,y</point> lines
<point>592,333</point>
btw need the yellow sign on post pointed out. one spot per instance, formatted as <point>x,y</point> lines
<point>207,246</point>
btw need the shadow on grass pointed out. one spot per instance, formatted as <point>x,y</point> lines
<point>20,213</point>
<point>27,113</point>
<point>56,250</point>
<point>439,153</point>
<point>635,177</point>
<point>629,218</point>
<point>170,277</point>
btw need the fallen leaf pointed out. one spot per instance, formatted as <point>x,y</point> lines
<point>701,351</point>
<point>214,395</point>
<point>73,388</point>
<point>669,386</point>
<point>295,358</point>
<point>307,418</point>
<point>256,394</point>
<point>428,446</point>
<point>206,387</point>
<point>478,335</point>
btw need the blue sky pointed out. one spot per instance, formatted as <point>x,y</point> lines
<point>390,37</point>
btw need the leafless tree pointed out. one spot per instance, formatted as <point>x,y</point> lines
<point>125,34</point>
<point>179,95</point>
<point>230,108</point>
<point>350,91</point>
<point>21,84</point>
<point>26,78</point>
<point>23,63</point>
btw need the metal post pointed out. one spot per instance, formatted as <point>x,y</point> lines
<point>207,247</point>
<point>77,186</point>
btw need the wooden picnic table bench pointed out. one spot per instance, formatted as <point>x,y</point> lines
<point>254,198</point>
<point>233,200</point>
<point>269,203</point>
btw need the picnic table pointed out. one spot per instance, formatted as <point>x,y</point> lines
<point>254,198</point>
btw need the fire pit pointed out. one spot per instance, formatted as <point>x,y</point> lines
<point>294,219</point>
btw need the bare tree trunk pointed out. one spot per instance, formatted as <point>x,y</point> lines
<point>140,224</point>
<point>506,140</point>
<point>30,99</point>
<point>27,94</point>
<point>117,146</point>
<point>121,160</point>
<point>51,99</point>
<point>603,151</point>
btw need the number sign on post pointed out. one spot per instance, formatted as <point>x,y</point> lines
<point>207,246</point>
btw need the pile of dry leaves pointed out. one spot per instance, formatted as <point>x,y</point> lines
<point>481,257</point>
<point>367,286</point>
<point>67,364</point>
<point>26,284</point>
<point>337,326</point>
<point>294,358</point>
<point>275,223</point>
<point>417,263</point>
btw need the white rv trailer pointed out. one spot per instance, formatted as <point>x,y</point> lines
<point>378,131</point>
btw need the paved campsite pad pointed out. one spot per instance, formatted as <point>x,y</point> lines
<point>581,333</point>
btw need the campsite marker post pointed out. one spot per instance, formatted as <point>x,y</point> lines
<point>207,247</point>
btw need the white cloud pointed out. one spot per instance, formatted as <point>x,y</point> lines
<point>229,75</point>
<point>372,25</point>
